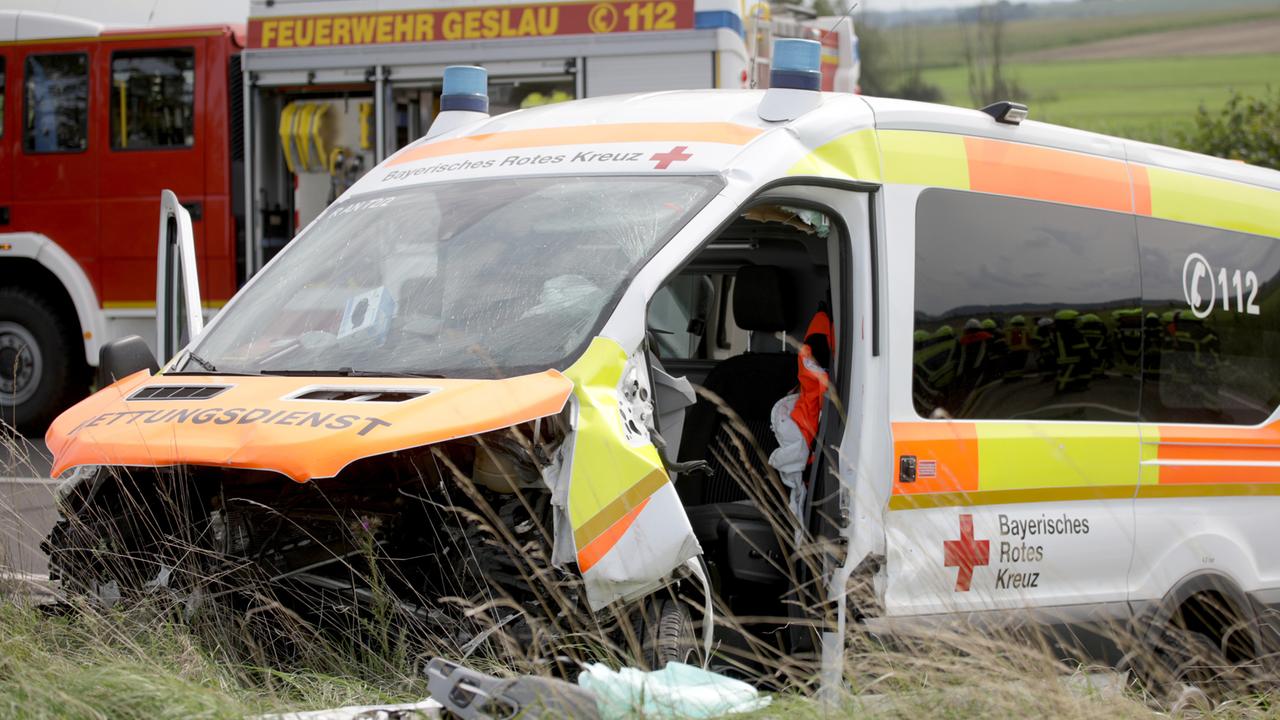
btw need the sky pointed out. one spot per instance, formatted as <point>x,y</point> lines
<point>135,13</point>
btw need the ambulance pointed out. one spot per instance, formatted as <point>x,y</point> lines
<point>607,316</point>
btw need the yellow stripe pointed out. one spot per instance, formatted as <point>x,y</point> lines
<point>1209,490</point>
<point>613,512</point>
<point>1201,200</point>
<point>925,501</point>
<point>911,157</point>
<point>1149,474</point>
<point>1020,456</point>
<point>852,156</point>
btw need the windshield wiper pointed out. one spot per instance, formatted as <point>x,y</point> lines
<point>349,372</point>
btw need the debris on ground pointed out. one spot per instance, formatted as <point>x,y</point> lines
<point>423,710</point>
<point>676,691</point>
<point>472,695</point>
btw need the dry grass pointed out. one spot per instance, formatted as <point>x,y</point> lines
<point>157,654</point>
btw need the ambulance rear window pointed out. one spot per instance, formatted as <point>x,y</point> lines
<point>1212,301</point>
<point>1034,310</point>
<point>1024,310</point>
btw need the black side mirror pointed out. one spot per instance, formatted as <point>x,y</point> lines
<point>124,357</point>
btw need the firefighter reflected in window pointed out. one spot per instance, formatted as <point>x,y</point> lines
<point>1126,345</point>
<point>975,355</point>
<point>1190,361</point>
<point>1038,362</point>
<point>1019,343</point>
<point>934,366</point>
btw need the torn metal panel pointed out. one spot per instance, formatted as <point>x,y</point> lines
<point>629,528</point>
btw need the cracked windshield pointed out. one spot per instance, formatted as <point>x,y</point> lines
<point>510,280</point>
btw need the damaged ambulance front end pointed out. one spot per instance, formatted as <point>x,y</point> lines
<point>415,405</point>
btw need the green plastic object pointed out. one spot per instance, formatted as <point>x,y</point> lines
<point>676,691</point>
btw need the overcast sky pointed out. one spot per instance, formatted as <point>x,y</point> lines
<point>136,13</point>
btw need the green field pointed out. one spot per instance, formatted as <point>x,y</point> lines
<point>1152,96</point>
<point>942,45</point>
<point>1145,98</point>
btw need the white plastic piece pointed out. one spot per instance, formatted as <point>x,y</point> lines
<point>675,691</point>
<point>426,708</point>
<point>708,609</point>
<point>451,120</point>
<point>782,104</point>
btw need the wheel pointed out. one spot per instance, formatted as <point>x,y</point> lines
<point>671,637</point>
<point>39,361</point>
<point>1189,668</point>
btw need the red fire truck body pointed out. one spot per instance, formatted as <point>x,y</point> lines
<point>80,172</point>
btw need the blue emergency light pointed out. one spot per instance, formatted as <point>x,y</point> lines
<point>466,87</point>
<point>797,64</point>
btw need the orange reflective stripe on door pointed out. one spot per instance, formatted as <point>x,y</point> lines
<point>946,457</point>
<point>1211,456</point>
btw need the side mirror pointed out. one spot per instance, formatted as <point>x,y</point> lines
<point>124,357</point>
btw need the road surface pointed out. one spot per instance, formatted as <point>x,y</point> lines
<point>26,506</point>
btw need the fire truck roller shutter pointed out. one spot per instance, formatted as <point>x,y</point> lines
<point>52,303</point>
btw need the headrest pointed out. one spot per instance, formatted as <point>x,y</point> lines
<point>760,299</point>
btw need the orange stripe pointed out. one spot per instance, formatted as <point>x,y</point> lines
<point>716,132</point>
<point>590,554</point>
<point>1220,445</point>
<point>1141,189</point>
<point>1040,173</point>
<point>953,445</point>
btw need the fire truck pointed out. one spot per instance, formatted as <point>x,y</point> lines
<point>258,128</point>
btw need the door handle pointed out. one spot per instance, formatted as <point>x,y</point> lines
<point>907,469</point>
<point>195,209</point>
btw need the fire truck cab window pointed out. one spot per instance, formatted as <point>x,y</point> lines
<point>56,103</point>
<point>152,99</point>
<point>1025,310</point>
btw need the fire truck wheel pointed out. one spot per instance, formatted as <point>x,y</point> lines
<point>37,367</point>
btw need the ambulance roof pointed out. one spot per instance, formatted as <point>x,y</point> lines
<point>654,122</point>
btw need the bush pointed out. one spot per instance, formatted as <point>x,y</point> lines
<point>1246,128</point>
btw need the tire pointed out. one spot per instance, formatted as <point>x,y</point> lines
<point>1184,660</point>
<point>40,366</point>
<point>671,636</point>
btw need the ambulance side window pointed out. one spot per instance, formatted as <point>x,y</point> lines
<point>1212,304</point>
<point>56,103</point>
<point>1024,310</point>
<point>153,99</point>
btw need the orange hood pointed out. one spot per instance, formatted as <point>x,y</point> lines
<point>258,422</point>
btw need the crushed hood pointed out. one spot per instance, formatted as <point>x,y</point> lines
<point>261,423</point>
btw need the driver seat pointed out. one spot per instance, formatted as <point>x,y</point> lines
<point>749,384</point>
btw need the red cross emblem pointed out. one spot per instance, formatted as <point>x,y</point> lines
<point>966,553</point>
<point>675,154</point>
